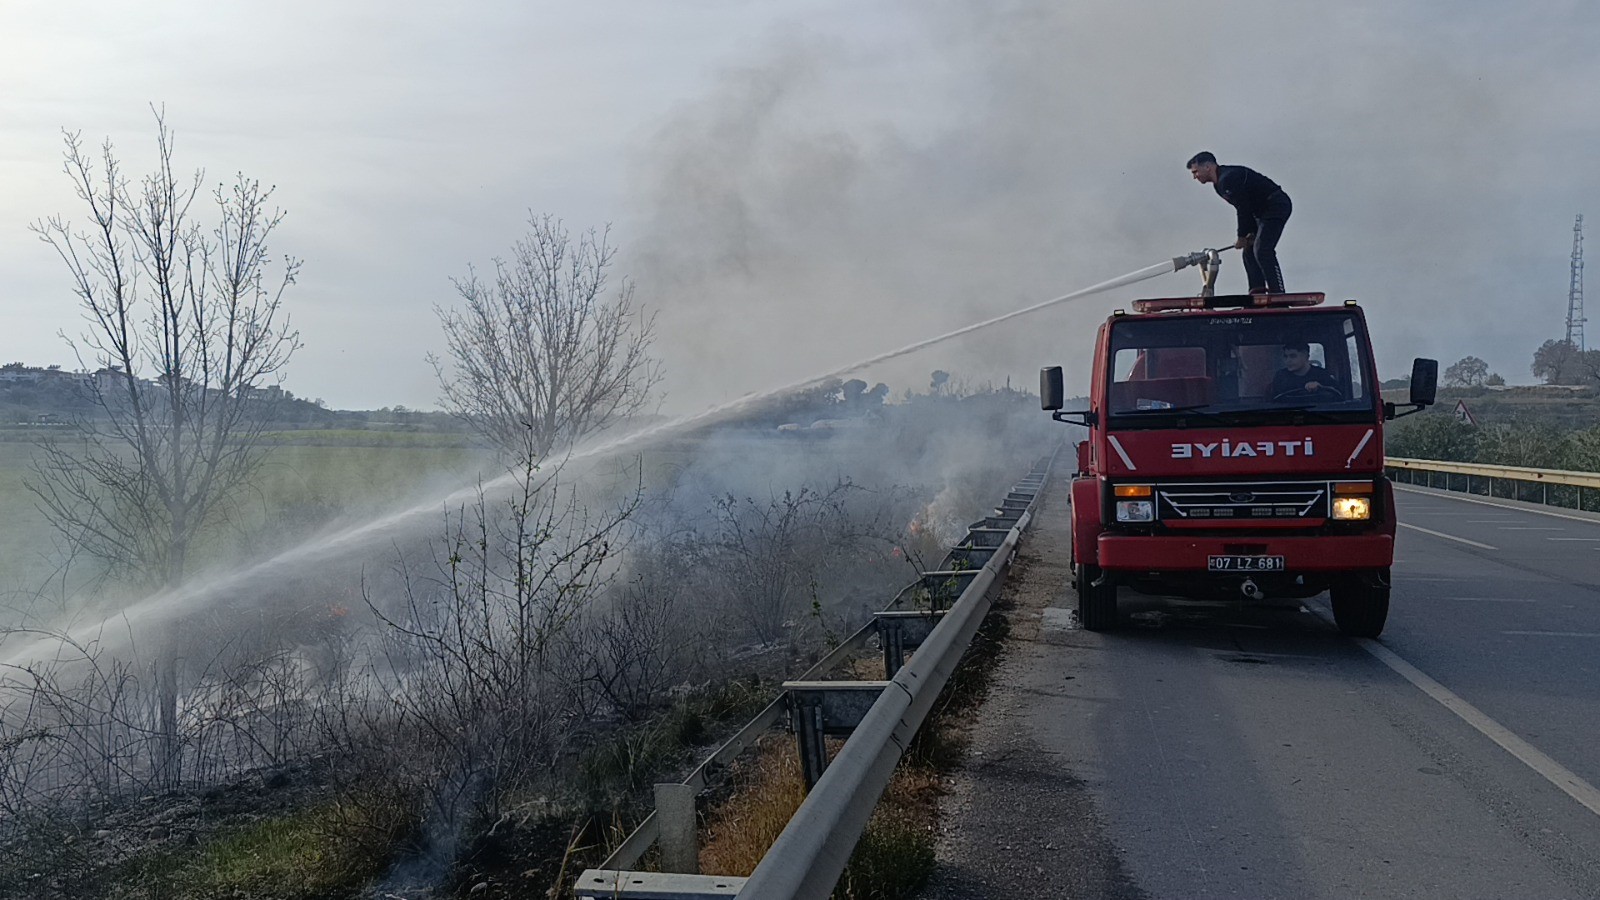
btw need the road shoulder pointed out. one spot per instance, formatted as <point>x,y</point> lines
<point>1014,822</point>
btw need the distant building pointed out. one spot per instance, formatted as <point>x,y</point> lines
<point>270,392</point>
<point>107,380</point>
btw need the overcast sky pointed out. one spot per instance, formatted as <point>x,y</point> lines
<point>796,184</point>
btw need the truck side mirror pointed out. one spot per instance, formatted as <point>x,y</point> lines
<point>1424,382</point>
<point>1051,388</point>
<point>1424,389</point>
<point>1052,396</point>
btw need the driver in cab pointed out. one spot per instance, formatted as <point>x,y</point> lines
<point>1299,374</point>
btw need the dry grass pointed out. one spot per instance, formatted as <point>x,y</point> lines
<point>896,854</point>
<point>768,789</point>
<point>893,859</point>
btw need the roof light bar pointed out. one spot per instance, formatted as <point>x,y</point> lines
<point>1229,301</point>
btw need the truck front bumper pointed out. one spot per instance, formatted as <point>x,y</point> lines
<point>1175,553</point>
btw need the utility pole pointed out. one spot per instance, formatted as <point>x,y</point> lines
<point>1575,317</point>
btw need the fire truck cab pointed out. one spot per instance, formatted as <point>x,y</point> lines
<point>1214,470</point>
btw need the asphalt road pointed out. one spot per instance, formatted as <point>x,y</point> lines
<point>1224,752</point>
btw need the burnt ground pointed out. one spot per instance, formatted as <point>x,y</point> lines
<point>97,851</point>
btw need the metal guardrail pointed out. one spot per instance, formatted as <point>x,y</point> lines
<point>1509,482</point>
<point>810,855</point>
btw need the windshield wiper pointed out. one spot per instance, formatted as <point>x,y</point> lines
<point>1191,410</point>
<point>1327,415</point>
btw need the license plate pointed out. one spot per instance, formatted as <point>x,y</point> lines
<point>1245,564</point>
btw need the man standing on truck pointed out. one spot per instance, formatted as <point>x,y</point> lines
<point>1263,210</point>
<point>1299,374</point>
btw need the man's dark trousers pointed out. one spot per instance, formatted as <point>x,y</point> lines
<point>1261,257</point>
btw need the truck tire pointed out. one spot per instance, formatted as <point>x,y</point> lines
<point>1097,604</point>
<point>1361,604</point>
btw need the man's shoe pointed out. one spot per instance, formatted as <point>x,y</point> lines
<point>1259,291</point>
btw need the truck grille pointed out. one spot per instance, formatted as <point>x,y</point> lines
<point>1245,500</point>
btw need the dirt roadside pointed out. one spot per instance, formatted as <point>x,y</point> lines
<point>1015,823</point>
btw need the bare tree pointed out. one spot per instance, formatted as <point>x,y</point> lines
<point>540,357</point>
<point>646,642</point>
<point>187,329</point>
<point>769,558</point>
<point>186,324</point>
<point>480,671</point>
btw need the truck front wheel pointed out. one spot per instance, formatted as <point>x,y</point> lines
<point>1361,604</point>
<point>1097,603</point>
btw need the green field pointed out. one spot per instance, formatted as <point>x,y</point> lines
<point>304,484</point>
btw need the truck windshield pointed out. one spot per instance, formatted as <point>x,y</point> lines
<point>1238,367</point>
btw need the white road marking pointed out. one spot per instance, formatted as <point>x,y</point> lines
<point>1494,599</point>
<point>1557,774</point>
<point>1578,634</point>
<point>1448,537</point>
<point>1495,521</point>
<point>1573,539</point>
<point>1482,502</point>
<point>1531,528</point>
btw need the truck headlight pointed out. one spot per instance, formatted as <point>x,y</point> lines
<point>1352,508</point>
<point>1136,511</point>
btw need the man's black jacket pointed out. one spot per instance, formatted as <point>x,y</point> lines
<point>1284,381</point>
<point>1249,191</point>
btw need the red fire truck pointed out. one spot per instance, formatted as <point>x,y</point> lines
<point>1213,469</point>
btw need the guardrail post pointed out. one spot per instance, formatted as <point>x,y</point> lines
<point>892,637</point>
<point>968,557</point>
<point>808,736</point>
<point>680,848</point>
<point>821,708</point>
<point>1002,519</point>
<point>983,537</point>
<point>899,631</point>
<point>945,585</point>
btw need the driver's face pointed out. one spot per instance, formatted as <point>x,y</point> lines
<point>1295,361</point>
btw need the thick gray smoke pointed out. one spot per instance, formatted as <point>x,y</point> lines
<point>819,200</point>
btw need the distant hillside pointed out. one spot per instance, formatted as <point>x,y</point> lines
<point>33,406</point>
<point>1550,428</point>
<point>1561,407</point>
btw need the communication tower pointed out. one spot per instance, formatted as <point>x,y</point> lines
<point>1575,317</point>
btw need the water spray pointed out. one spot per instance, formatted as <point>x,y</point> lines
<point>296,559</point>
